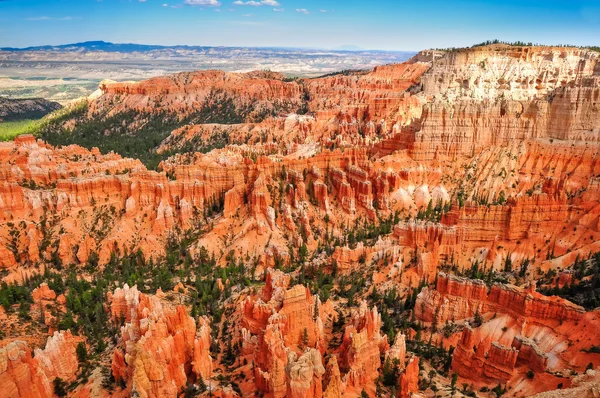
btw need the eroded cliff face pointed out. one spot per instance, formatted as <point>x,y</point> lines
<point>457,105</point>
<point>524,93</point>
<point>518,331</point>
<point>252,94</point>
<point>409,379</point>
<point>508,161</point>
<point>457,298</point>
<point>345,195</point>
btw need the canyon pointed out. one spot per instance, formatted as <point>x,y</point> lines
<point>397,232</point>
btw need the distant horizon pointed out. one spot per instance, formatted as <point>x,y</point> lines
<point>383,25</point>
<point>335,49</point>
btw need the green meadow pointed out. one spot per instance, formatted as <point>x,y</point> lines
<point>9,130</point>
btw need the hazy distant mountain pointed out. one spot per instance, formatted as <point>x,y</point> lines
<point>95,46</point>
<point>132,47</point>
<point>19,109</point>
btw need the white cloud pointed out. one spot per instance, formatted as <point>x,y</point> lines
<point>211,3</point>
<point>248,15</point>
<point>142,1</point>
<point>322,10</point>
<point>247,3</point>
<point>165,5</point>
<point>278,9</point>
<point>255,3</point>
<point>303,11</point>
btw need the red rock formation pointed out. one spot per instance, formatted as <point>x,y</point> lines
<point>304,374</point>
<point>234,199</point>
<point>321,195</point>
<point>362,346</point>
<point>224,392</point>
<point>348,260</point>
<point>20,374</point>
<point>153,205</point>
<point>43,293</point>
<point>397,350</point>
<point>345,192</point>
<point>96,206</point>
<point>459,298</point>
<point>335,387</point>
<point>409,379</point>
<point>158,345</point>
<point>58,358</point>
<point>491,362</point>
<point>259,90</point>
<point>584,386</point>
<point>285,323</point>
<point>530,354</point>
<point>520,115</point>
<point>299,317</point>
<point>25,375</point>
<point>453,299</point>
<point>520,330</point>
<point>358,180</point>
<point>271,357</point>
<point>202,362</point>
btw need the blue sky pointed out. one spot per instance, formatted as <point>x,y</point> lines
<point>386,25</point>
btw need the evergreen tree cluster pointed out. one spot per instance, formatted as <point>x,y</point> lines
<point>584,288</point>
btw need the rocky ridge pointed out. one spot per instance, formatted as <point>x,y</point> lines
<point>19,109</point>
